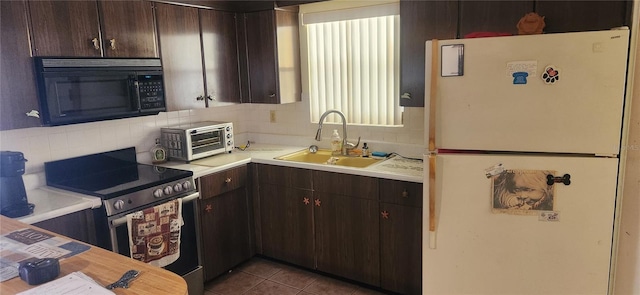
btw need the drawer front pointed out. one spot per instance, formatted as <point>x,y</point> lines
<point>284,176</point>
<point>222,182</point>
<point>345,184</point>
<point>401,192</point>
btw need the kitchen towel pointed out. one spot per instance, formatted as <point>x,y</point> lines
<point>154,233</point>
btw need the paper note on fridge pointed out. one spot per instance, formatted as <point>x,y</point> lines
<point>452,60</point>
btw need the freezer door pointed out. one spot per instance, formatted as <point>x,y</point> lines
<point>479,251</point>
<point>487,109</point>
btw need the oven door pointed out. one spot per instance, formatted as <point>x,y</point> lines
<point>207,142</point>
<point>188,265</point>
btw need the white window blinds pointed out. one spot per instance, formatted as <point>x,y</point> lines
<point>354,68</point>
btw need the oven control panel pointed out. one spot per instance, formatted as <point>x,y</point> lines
<point>142,198</point>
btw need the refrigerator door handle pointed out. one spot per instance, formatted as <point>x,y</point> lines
<point>566,179</point>
<point>432,201</point>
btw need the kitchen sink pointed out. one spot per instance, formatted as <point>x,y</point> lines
<point>324,156</point>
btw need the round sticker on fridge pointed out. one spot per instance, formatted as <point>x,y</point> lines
<point>551,75</point>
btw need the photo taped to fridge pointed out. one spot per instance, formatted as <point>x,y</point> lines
<point>522,192</point>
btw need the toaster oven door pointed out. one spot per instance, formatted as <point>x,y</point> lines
<point>207,142</point>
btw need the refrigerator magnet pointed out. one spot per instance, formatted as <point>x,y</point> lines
<point>520,78</point>
<point>551,75</point>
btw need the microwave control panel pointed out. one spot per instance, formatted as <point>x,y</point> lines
<point>151,91</point>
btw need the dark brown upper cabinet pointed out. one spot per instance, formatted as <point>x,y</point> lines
<point>220,53</point>
<point>492,16</point>
<point>72,28</point>
<point>17,85</point>
<point>421,21</point>
<point>128,28</point>
<point>574,16</point>
<point>180,51</point>
<point>197,46</point>
<point>273,56</point>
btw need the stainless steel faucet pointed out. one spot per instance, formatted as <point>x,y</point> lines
<point>346,145</point>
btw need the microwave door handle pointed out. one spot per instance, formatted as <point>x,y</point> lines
<point>135,88</point>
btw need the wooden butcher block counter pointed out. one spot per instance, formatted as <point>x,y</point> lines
<point>105,267</point>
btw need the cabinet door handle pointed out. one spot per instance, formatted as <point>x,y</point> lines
<point>318,202</point>
<point>208,208</point>
<point>306,201</point>
<point>96,43</point>
<point>200,97</point>
<point>406,95</point>
<point>272,95</point>
<point>385,214</point>
<point>227,180</point>
<point>33,113</point>
<point>405,193</point>
<point>112,43</point>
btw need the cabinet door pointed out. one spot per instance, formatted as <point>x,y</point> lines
<point>492,16</point>
<point>286,224</point>
<point>179,38</point>
<point>347,237</point>
<point>401,248</point>
<point>574,16</point>
<point>78,225</point>
<point>65,28</point>
<point>127,28</point>
<point>17,85</point>
<point>261,56</point>
<point>421,21</point>
<point>220,52</point>
<point>225,232</point>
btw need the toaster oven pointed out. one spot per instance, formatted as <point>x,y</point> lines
<point>192,141</point>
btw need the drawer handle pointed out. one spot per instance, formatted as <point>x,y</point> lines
<point>228,180</point>
<point>405,193</point>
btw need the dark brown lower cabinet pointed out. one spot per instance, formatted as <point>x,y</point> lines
<point>401,248</point>
<point>78,225</point>
<point>225,221</point>
<point>347,237</point>
<point>360,228</point>
<point>287,224</point>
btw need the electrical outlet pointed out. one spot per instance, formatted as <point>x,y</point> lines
<point>272,116</point>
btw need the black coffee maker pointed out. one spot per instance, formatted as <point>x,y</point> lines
<point>13,198</point>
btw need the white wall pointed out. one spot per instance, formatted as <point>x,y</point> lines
<point>251,122</point>
<point>627,267</point>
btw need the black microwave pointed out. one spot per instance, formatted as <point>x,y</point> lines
<point>78,90</point>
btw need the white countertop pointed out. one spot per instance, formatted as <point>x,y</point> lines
<point>52,202</point>
<point>396,168</point>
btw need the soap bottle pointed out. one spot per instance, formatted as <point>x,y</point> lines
<point>336,143</point>
<point>365,150</point>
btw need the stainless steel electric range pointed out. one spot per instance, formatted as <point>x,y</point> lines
<point>126,186</point>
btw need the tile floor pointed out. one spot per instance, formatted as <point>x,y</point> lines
<point>260,276</point>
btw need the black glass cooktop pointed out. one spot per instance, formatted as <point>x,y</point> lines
<point>108,175</point>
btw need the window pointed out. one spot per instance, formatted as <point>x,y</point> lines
<point>353,63</point>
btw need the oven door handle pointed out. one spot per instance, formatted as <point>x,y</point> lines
<point>123,220</point>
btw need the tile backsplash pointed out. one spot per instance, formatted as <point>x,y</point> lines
<point>251,122</point>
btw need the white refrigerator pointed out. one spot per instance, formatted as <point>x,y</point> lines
<point>522,162</point>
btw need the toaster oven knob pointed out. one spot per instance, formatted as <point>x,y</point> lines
<point>229,143</point>
<point>119,205</point>
<point>177,187</point>
<point>158,193</point>
<point>168,190</point>
<point>186,185</point>
<point>228,128</point>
